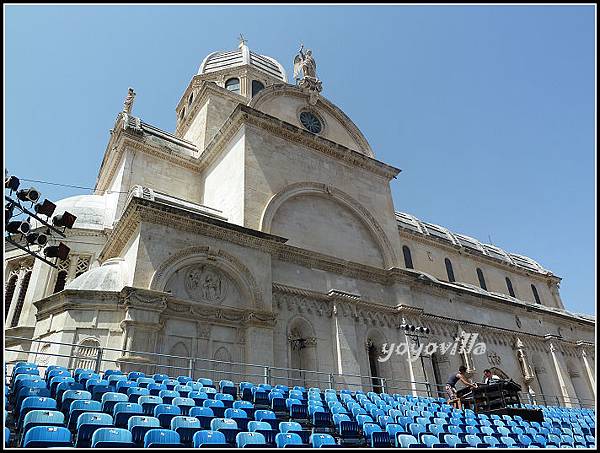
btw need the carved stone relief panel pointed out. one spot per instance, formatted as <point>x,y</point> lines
<point>204,283</point>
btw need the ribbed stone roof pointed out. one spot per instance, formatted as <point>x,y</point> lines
<point>410,222</point>
<point>217,61</point>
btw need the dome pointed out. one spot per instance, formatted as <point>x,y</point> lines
<point>92,211</point>
<point>217,61</point>
<point>113,275</point>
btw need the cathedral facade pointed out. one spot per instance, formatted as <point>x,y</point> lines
<point>259,241</point>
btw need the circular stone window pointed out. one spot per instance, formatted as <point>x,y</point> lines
<point>310,122</point>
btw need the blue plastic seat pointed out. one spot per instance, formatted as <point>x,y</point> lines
<point>26,392</point>
<point>87,423</point>
<point>34,403</point>
<point>144,382</point>
<point>71,395</point>
<point>263,415</point>
<point>408,441</point>
<point>161,438</point>
<point>42,418</point>
<point>168,396</point>
<point>239,415</point>
<point>47,436</point>
<point>135,375</point>
<point>198,396</point>
<point>454,441</point>
<point>109,399</point>
<point>206,382</point>
<point>134,393</point>
<point>473,440</point>
<point>139,425</point>
<point>217,406</point>
<point>209,439</point>
<point>227,426</point>
<point>160,377</point>
<point>166,412</point>
<point>204,415</point>
<point>156,388</point>
<point>78,407</point>
<point>123,411</point>
<point>186,427</point>
<point>429,440</point>
<point>322,440</point>
<point>185,404</point>
<point>286,440</point>
<point>249,439</point>
<point>112,438</point>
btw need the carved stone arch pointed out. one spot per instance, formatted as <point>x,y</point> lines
<point>178,359</point>
<point>302,351</point>
<point>217,258</point>
<point>316,188</point>
<point>222,368</point>
<point>272,91</point>
<point>85,352</point>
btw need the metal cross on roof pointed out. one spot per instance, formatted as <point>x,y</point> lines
<point>243,40</point>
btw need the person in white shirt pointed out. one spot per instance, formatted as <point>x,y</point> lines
<point>489,377</point>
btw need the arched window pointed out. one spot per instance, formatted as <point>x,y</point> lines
<point>481,279</point>
<point>222,367</point>
<point>182,114</point>
<point>511,291</point>
<point>86,353</point>
<point>61,280</point>
<point>449,270</point>
<point>21,299</point>
<point>191,98</point>
<point>373,352</point>
<point>233,85</point>
<point>256,87</point>
<point>407,257</point>
<point>8,294</point>
<point>535,295</point>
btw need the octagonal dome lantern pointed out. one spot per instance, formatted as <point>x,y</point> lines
<point>218,61</point>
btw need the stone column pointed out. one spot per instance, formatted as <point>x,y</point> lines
<point>589,371</point>
<point>566,388</point>
<point>346,346</point>
<point>140,327</point>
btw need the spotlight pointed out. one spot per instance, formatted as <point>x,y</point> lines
<point>46,208</point>
<point>12,183</point>
<point>66,219</point>
<point>412,328</point>
<point>31,194</point>
<point>420,329</point>
<point>404,327</point>
<point>37,239</point>
<point>426,330</point>
<point>60,251</point>
<point>18,226</point>
<point>8,212</point>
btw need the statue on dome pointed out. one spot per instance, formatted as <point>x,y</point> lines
<point>306,63</point>
<point>308,81</point>
<point>128,104</point>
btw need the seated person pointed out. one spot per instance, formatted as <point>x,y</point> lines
<point>489,377</point>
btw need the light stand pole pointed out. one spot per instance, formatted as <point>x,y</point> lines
<point>413,332</point>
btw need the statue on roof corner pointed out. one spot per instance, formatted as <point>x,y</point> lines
<point>305,63</point>
<point>128,104</point>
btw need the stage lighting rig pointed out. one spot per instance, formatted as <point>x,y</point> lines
<point>18,231</point>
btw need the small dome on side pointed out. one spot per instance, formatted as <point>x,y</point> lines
<point>93,212</point>
<point>112,275</point>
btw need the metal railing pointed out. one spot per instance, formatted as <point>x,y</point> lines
<point>196,367</point>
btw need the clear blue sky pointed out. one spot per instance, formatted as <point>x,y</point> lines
<point>489,111</point>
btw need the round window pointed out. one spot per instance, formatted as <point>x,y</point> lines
<point>310,122</point>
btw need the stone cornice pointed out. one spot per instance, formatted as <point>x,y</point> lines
<point>141,210</point>
<point>69,299</point>
<point>243,114</point>
<point>439,243</point>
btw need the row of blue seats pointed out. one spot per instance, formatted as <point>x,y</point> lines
<point>51,436</point>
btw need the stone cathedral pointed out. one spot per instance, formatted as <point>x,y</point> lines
<point>261,235</point>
